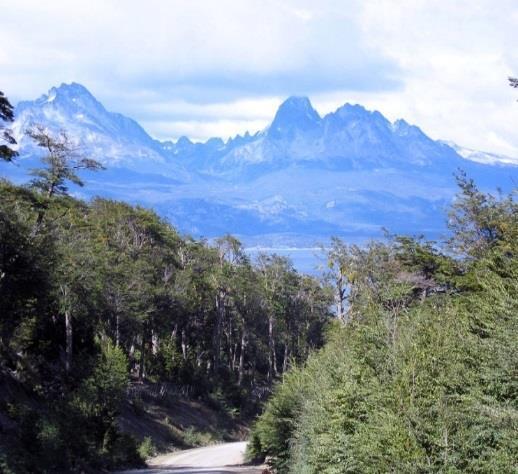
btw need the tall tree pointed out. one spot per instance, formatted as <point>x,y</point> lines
<point>338,275</point>
<point>6,135</point>
<point>63,159</point>
<point>229,253</point>
<point>478,220</point>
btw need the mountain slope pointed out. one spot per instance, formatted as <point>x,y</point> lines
<point>350,138</point>
<point>302,179</point>
<point>111,138</point>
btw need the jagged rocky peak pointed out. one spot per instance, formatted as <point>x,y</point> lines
<point>239,140</point>
<point>183,141</point>
<point>351,109</point>
<point>182,146</point>
<point>401,125</point>
<point>66,103</point>
<point>403,128</point>
<point>295,113</point>
<point>348,112</point>
<point>73,89</point>
<point>297,102</point>
<point>109,137</point>
<point>215,142</point>
<point>72,93</point>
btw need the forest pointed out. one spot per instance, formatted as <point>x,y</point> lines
<point>94,295</point>
<point>102,292</point>
<point>401,358</point>
<point>420,375</point>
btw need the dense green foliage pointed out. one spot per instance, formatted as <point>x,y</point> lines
<point>7,153</point>
<point>419,372</point>
<point>422,375</point>
<point>95,294</point>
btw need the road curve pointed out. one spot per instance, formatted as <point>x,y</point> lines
<point>224,458</point>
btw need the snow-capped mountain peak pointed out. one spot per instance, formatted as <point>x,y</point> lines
<point>294,114</point>
<point>111,138</point>
<point>304,177</point>
<point>72,95</point>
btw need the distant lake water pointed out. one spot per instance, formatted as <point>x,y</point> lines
<point>305,259</point>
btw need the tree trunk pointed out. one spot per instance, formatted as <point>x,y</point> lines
<point>117,330</point>
<point>340,297</point>
<point>68,327</point>
<point>244,342</point>
<point>154,342</point>
<point>131,355</point>
<point>230,357</point>
<point>68,340</point>
<point>234,356</point>
<point>272,356</point>
<point>232,348</point>
<point>184,345</point>
<point>286,358</point>
<point>220,314</point>
<point>141,371</point>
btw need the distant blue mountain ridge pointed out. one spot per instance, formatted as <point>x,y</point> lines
<point>299,181</point>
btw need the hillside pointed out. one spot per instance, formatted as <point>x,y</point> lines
<point>420,376</point>
<point>303,178</point>
<point>119,336</point>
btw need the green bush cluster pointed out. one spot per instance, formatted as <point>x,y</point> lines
<point>93,295</point>
<point>146,448</point>
<point>74,430</point>
<point>422,376</point>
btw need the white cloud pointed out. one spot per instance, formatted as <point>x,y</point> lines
<point>175,41</point>
<point>201,121</point>
<point>205,68</point>
<point>455,58</point>
<point>200,130</point>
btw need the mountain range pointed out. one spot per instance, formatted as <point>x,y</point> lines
<point>294,184</point>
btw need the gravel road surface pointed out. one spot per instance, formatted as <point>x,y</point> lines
<point>224,458</point>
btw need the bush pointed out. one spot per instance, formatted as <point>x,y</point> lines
<point>194,438</point>
<point>147,449</point>
<point>417,381</point>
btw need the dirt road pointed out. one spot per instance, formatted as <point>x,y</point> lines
<point>219,459</point>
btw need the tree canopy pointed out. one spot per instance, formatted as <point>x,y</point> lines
<point>105,293</point>
<point>7,153</point>
<point>421,377</point>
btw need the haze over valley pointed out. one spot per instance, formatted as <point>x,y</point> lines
<point>288,187</point>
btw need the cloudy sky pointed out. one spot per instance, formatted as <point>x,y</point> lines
<point>220,67</point>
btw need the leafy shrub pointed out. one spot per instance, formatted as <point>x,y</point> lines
<point>194,438</point>
<point>422,377</point>
<point>147,448</point>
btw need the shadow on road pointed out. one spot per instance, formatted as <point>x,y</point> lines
<point>198,470</point>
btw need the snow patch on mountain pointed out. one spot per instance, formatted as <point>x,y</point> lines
<point>111,138</point>
<point>272,206</point>
<point>482,156</point>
